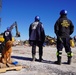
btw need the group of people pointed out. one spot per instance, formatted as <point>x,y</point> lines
<point>63,29</point>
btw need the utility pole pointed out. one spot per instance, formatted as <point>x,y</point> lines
<point>0,12</point>
<point>0,5</point>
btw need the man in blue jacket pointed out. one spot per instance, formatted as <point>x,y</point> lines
<point>36,37</point>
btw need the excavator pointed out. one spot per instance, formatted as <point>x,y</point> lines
<point>50,40</point>
<point>11,27</point>
<point>14,25</point>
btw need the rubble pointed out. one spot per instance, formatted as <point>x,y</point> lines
<point>46,67</point>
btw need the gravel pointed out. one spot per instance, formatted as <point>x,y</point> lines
<point>22,54</point>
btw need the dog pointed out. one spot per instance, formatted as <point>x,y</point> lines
<point>6,53</point>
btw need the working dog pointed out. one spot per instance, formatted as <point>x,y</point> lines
<point>6,53</point>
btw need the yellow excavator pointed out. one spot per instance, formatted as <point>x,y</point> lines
<point>50,40</point>
<point>11,27</point>
<point>2,39</point>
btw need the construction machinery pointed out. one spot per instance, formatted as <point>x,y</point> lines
<point>14,25</point>
<point>50,40</point>
<point>11,27</point>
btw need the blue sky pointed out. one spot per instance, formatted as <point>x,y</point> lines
<point>24,11</point>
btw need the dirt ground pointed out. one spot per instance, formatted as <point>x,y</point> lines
<point>22,54</point>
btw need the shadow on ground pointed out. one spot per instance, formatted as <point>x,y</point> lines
<point>30,59</point>
<point>22,58</point>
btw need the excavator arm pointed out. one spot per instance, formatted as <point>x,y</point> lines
<point>15,25</point>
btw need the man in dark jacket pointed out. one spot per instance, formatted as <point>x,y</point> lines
<point>7,35</point>
<point>75,40</point>
<point>63,29</point>
<point>36,37</point>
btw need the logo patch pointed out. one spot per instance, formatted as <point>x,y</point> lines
<point>65,23</point>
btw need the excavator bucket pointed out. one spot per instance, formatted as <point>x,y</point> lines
<point>18,34</point>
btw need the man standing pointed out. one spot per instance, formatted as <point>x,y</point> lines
<point>63,29</point>
<point>75,40</point>
<point>7,35</point>
<point>6,52</point>
<point>36,37</point>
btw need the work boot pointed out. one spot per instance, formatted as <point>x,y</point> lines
<point>33,57</point>
<point>40,59</point>
<point>58,61</point>
<point>69,60</point>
